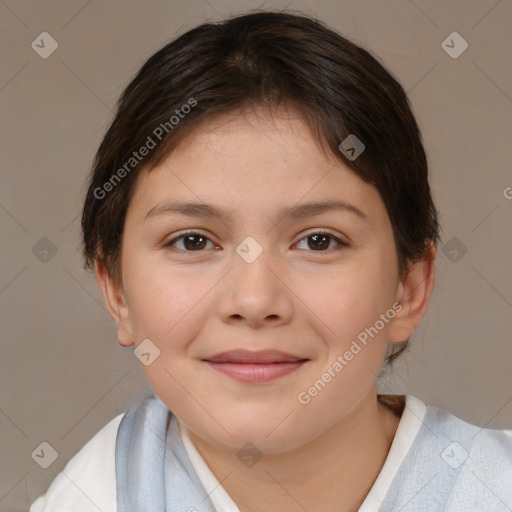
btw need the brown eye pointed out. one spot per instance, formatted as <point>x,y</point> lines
<point>321,241</point>
<point>192,242</point>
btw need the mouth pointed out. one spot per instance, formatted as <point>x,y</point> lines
<point>253,367</point>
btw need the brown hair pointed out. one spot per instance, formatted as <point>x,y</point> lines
<point>266,59</point>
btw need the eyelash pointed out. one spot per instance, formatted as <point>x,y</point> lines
<point>341,243</point>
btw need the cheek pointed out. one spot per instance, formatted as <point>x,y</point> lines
<point>351,305</point>
<point>164,307</point>
<point>162,301</point>
<point>354,298</point>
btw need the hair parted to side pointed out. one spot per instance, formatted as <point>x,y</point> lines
<point>264,59</point>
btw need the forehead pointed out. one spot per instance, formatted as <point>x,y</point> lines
<point>252,163</point>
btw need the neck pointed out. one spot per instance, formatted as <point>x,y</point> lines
<point>336,470</point>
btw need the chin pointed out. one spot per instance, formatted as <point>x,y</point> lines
<point>264,432</point>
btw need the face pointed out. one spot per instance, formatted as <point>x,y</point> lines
<point>309,283</point>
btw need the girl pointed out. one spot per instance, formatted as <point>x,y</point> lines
<point>261,226</point>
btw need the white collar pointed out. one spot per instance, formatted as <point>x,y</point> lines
<point>217,494</point>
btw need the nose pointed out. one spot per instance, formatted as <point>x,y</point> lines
<point>256,293</point>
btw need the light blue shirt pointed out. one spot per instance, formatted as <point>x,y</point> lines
<point>437,462</point>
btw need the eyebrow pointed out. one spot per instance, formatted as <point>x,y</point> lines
<point>202,210</point>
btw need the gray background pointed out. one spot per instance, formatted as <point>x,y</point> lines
<point>63,374</point>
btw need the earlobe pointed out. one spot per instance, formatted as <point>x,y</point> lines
<point>413,294</point>
<point>115,303</point>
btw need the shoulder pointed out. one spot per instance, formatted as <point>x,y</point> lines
<point>88,481</point>
<point>475,438</point>
<point>479,459</point>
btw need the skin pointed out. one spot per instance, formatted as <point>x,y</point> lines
<point>294,297</point>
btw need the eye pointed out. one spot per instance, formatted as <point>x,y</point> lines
<point>320,240</point>
<point>192,241</point>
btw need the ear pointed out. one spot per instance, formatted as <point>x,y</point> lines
<point>413,294</point>
<point>116,304</point>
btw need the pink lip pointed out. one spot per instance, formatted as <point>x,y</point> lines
<point>260,366</point>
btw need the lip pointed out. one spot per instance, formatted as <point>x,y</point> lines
<point>253,367</point>
<point>253,357</point>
